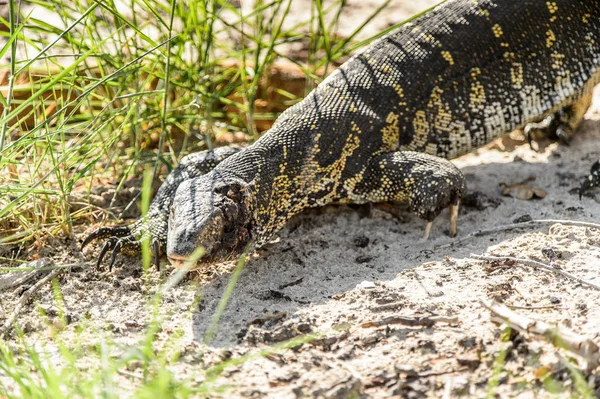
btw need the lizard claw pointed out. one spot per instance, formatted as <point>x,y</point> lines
<point>427,231</point>
<point>562,132</point>
<point>453,208</point>
<point>529,136</point>
<point>119,239</point>
<point>553,126</point>
<point>156,250</point>
<point>127,245</point>
<point>106,232</point>
<point>105,248</point>
<point>115,252</point>
<point>454,218</point>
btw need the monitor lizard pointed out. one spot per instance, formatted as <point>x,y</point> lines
<point>382,126</point>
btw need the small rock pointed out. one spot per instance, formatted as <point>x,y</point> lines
<point>582,308</point>
<point>363,259</point>
<point>405,369</point>
<point>523,219</point>
<point>361,241</point>
<point>371,339</point>
<point>350,388</point>
<point>471,362</point>
<point>549,254</point>
<point>131,324</point>
<point>468,342</point>
<point>427,346</point>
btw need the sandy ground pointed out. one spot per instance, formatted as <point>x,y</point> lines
<point>335,269</point>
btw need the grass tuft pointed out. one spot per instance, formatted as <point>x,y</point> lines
<point>98,92</point>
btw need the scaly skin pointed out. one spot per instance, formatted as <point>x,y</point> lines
<point>376,129</point>
<point>153,226</point>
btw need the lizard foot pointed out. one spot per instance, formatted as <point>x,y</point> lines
<point>426,183</point>
<point>453,230</point>
<point>120,240</point>
<point>561,124</point>
<point>593,180</point>
<point>555,126</point>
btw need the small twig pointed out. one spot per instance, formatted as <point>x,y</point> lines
<point>439,373</point>
<point>413,373</point>
<point>130,374</point>
<point>425,321</point>
<point>513,226</point>
<point>534,307</point>
<point>536,265</point>
<point>23,273</point>
<point>387,306</point>
<point>558,335</point>
<point>25,297</point>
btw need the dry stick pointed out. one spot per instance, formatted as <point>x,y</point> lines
<point>534,307</point>
<point>25,297</point>
<point>513,226</point>
<point>410,372</point>
<point>426,321</point>
<point>560,336</point>
<point>437,374</point>
<point>534,264</point>
<point>387,306</point>
<point>23,273</point>
<point>129,374</point>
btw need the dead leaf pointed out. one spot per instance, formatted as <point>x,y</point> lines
<point>522,191</point>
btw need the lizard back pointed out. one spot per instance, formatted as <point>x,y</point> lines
<point>445,84</point>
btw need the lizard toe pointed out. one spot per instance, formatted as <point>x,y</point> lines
<point>106,232</point>
<point>110,243</point>
<point>156,245</point>
<point>127,245</point>
<point>119,239</point>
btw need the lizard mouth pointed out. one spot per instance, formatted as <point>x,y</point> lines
<point>183,262</point>
<point>180,262</point>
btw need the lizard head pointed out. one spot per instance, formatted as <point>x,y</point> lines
<point>212,213</point>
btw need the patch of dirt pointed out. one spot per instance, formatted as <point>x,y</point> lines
<point>334,273</point>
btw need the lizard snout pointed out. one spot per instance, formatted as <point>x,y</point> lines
<point>208,216</point>
<point>195,221</point>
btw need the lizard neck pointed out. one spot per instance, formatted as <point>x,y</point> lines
<point>287,172</point>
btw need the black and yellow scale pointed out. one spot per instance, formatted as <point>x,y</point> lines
<point>380,128</point>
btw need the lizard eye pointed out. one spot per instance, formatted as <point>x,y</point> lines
<point>234,195</point>
<point>220,189</point>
